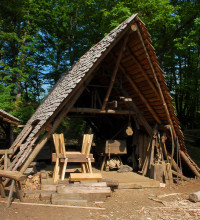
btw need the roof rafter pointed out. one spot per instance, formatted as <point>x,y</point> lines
<point>157,82</point>
<point>139,93</point>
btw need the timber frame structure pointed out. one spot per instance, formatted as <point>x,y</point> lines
<point>121,70</point>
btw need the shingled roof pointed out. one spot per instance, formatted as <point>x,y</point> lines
<point>71,79</point>
<point>142,79</point>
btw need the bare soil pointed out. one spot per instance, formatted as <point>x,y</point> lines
<point>147,203</point>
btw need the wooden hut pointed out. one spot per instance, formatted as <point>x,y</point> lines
<point>116,86</point>
<point>7,121</point>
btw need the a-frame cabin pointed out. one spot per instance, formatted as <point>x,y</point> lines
<point>117,82</point>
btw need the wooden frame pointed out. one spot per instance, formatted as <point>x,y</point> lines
<point>16,177</point>
<point>62,157</point>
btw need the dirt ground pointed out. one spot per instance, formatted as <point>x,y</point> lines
<point>145,204</point>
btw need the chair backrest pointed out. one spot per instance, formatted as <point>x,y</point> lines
<point>59,143</point>
<point>87,143</point>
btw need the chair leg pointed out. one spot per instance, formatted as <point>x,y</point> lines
<point>56,170</point>
<point>89,166</point>
<point>2,191</point>
<point>11,193</point>
<point>64,169</point>
<point>83,167</point>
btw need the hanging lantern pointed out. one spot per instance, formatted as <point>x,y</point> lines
<point>129,130</point>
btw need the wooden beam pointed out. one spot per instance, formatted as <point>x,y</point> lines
<point>157,83</point>
<point>8,151</point>
<point>99,111</point>
<point>85,176</point>
<point>188,162</point>
<point>114,73</point>
<point>15,175</point>
<point>141,96</point>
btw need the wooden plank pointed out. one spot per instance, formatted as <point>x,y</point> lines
<point>99,111</point>
<point>72,155</point>
<point>76,160</point>
<point>48,187</point>
<point>56,200</point>
<point>73,188</point>
<point>73,158</point>
<point>85,176</point>
<point>56,206</point>
<point>90,197</point>
<point>129,186</point>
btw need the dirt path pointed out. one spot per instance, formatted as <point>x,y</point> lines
<point>150,203</point>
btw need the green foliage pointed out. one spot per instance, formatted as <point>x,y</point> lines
<point>39,40</point>
<point>72,128</point>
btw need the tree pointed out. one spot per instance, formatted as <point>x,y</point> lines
<point>39,40</point>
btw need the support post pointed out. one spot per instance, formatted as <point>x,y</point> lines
<point>114,73</point>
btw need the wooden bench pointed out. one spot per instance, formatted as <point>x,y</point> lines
<point>16,177</point>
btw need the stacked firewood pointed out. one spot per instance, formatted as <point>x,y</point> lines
<point>32,182</point>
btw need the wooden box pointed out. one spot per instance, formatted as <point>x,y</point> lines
<point>111,147</point>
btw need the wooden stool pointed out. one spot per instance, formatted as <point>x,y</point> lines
<point>16,177</point>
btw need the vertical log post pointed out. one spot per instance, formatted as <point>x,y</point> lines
<point>115,73</point>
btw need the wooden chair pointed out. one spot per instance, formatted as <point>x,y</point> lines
<point>16,177</point>
<point>63,157</point>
